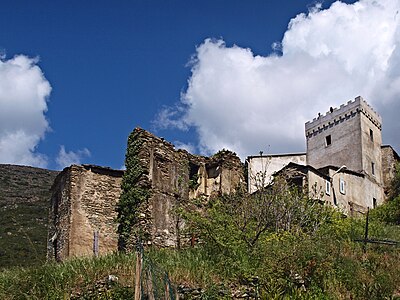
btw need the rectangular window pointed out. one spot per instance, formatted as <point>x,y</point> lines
<point>373,168</point>
<point>371,135</point>
<point>342,186</point>
<point>327,187</point>
<point>328,140</point>
<point>373,202</point>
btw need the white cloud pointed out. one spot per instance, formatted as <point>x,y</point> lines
<point>23,94</point>
<point>189,147</point>
<point>244,102</point>
<point>67,158</point>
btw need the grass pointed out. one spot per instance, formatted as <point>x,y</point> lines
<point>64,280</point>
<point>341,273</point>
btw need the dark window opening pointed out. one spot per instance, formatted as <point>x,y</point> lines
<point>193,170</point>
<point>371,135</point>
<point>213,171</point>
<point>55,249</point>
<point>373,202</point>
<point>193,176</point>
<point>328,140</point>
<point>296,182</point>
<point>373,168</point>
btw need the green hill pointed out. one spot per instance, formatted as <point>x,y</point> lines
<point>24,199</point>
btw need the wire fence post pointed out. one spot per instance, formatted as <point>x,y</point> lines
<point>96,243</point>
<point>138,271</point>
<point>150,289</point>
<point>366,232</point>
<point>166,286</point>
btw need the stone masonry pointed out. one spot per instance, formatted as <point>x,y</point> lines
<point>82,213</point>
<point>84,197</point>
<point>389,160</point>
<point>174,178</point>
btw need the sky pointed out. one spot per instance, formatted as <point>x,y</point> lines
<point>76,77</point>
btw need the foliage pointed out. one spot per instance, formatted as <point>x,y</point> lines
<point>280,208</point>
<point>294,246</point>
<point>194,182</point>
<point>326,264</point>
<point>132,196</point>
<point>395,186</point>
<point>390,211</point>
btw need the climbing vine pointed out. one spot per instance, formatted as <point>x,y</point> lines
<point>133,195</point>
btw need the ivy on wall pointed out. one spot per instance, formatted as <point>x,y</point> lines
<point>134,193</point>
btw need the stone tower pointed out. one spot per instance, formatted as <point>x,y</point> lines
<point>349,135</point>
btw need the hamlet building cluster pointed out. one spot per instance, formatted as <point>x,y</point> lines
<point>345,165</point>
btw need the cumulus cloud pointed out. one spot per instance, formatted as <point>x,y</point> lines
<point>23,94</point>
<point>67,158</point>
<point>189,147</point>
<point>248,103</point>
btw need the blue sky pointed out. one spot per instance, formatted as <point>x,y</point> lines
<point>112,66</point>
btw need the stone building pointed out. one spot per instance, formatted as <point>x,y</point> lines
<point>174,177</point>
<point>84,197</point>
<point>345,158</point>
<point>82,212</point>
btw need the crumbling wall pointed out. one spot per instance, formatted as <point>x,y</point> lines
<point>85,199</point>
<point>389,160</point>
<point>173,177</point>
<point>82,214</point>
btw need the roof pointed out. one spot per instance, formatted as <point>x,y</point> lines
<point>276,155</point>
<point>298,166</point>
<point>325,170</point>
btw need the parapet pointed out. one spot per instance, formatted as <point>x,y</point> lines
<point>337,115</point>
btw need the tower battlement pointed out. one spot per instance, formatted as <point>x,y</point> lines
<point>337,115</point>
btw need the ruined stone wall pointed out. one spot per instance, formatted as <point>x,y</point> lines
<point>389,160</point>
<point>84,198</point>
<point>83,205</point>
<point>59,218</point>
<point>176,176</point>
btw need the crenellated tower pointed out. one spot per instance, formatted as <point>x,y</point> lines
<point>349,135</point>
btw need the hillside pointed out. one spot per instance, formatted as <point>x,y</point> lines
<point>24,198</point>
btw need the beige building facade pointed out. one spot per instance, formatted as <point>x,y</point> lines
<point>345,160</point>
<point>82,212</point>
<point>261,168</point>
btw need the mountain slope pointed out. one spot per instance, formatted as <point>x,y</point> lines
<point>24,200</point>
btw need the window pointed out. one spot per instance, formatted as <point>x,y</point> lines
<point>327,187</point>
<point>213,171</point>
<point>328,140</point>
<point>371,135</point>
<point>373,168</point>
<point>374,202</point>
<point>342,186</point>
<point>296,182</point>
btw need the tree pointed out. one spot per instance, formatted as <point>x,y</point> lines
<point>241,220</point>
